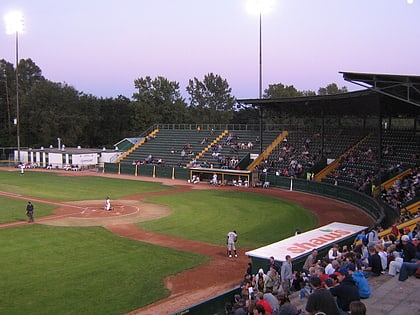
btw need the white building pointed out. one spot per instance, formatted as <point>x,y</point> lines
<point>60,158</point>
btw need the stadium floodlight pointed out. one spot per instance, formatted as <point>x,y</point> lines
<point>260,7</point>
<point>14,25</point>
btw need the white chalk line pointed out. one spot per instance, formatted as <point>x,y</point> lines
<point>137,210</point>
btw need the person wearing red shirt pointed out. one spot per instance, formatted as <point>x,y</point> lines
<point>264,303</point>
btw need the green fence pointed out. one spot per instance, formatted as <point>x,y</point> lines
<point>147,170</point>
<point>370,205</point>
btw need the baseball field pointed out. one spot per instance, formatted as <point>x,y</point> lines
<point>162,247</point>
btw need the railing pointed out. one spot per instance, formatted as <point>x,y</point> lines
<point>202,152</point>
<point>267,151</point>
<point>391,181</point>
<point>323,173</point>
<point>136,146</point>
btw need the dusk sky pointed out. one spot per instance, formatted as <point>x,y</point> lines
<point>101,47</point>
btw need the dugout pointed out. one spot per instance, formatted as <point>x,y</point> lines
<point>225,177</point>
<point>301,245</point>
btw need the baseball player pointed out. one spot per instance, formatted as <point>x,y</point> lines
<point>107,204</point>
<point>232,237</point>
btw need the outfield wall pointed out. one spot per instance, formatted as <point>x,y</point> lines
<point>381,213</point>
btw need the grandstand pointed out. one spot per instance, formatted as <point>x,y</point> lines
<point>355,144</point>
<point>356,140</point>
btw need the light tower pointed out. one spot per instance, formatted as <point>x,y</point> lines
<point>14,26</point>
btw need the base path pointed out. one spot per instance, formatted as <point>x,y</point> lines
<point>221,273</point>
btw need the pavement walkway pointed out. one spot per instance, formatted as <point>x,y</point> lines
<point>389,296</point>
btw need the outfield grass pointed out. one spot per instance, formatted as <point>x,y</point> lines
<point>208,215</point>
<point>52,186</point>
<point>56,270</point>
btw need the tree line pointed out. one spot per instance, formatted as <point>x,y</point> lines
<point>49,110</point>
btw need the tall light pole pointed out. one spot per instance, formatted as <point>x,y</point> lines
<point>14,25</point>
<point>260,7</point>
<point>260,78</point>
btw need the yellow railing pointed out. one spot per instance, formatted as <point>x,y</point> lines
<point>136,146</point>
<point>411,224</point>
<point>267,151</point>
<point>390,182</point>
<point>208,147</point>
<point>324,172</point>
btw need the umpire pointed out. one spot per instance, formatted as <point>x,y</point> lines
<point>30,212</point>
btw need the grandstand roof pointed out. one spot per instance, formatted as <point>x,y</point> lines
<point>358,103</point>
<point>401,87</point>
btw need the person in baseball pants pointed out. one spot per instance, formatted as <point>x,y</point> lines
<point>232,237</point>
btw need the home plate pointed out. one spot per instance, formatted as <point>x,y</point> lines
<point>117,213</point>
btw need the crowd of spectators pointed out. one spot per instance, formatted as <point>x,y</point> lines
<point>403,190</point>
<point>290,161</point>
<point>335,283</point>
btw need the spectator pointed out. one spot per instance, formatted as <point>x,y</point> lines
<point>383,255</point>
<point>285,307</point>
<point>408,269</point>
<point>357,308</point>
<point>239,307</point>
<point>321,300</point>
<point>372,236</point>
<point>259,310</point>
<point>374,267</point>
<point>408,253</point>
<point>273,280</point>
<point>320,273</point>
<point>286,275</point>
<point>272,263</point>
<point>347,291</point>
<point>260,280</point>
<point>334,252</point>
<point>264,303</point>
<point>332,267</point>
<point>272,300</point>
<point>310,261</point>
<point>360,280</point>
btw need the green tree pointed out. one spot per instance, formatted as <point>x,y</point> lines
<point>49,111</point>
<point>29,74</point>
<point>156,101</point>
<point>211,99</point>
<point>115,116</point>
<point>332,89</point>
<point>7,96</point>
<point>280,90</point>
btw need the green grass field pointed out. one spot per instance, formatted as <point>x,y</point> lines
<point>88,270</point>
<point>208,215</point>
<point>52,186</point>
<point>55,270</point>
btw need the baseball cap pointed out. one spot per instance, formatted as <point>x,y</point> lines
<point>405,238</point>
<point>351,267</point>
<point>343,271</point>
